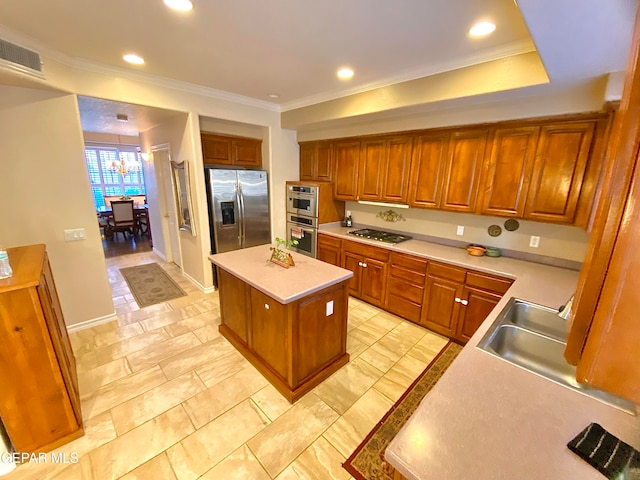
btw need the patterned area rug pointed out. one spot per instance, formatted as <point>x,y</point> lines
<point>150,284</point>
<point>367,461</point>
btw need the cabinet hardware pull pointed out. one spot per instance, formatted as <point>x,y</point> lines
<point>458,300</point>
<point>266,306</point>
<point>360,263</point>
<point>464,302</point>
<point>364,265</point>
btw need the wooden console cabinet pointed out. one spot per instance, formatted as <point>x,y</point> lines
<point>295,345</point>
<point>39,399</point>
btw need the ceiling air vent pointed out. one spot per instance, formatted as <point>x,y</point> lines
<point>20,59</point>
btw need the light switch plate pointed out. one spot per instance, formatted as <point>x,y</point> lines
<point>74,234</point>
<point>534,242</point>
<point>329,308</point>
<point>460,230</point>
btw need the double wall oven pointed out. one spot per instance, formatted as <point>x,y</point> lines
<point>302,217</point>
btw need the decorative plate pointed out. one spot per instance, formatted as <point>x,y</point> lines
<point>494,230</point>
<point>511,225</point>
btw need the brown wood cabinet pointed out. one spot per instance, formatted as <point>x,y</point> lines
<point>545,169</point>
<point>385,164</point>
<point>39,399</point>
<point>457,300</point>
<point>405,285</point>
<point>441,305</point>
<point>430,155</point>
<point>462,170</point>
<point>561,160</point>
<point>316,161</point>
<point>346,169</point>
<point>508,171</point>
<point>604,335</point>
<point>231,151</point>
<point>295,345</point>
<point>369,266</point>
<point>329,249</point>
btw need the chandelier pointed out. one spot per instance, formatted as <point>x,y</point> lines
<point>124,167</point>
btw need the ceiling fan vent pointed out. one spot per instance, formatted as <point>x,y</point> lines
<point>19,58</point>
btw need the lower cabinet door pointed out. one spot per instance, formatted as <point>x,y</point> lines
<point>233,306</point>
<point>270,331</point>
<point>374,275</point>
<point>353,262</point>
<point>440,310</point>
<point>479,305</point>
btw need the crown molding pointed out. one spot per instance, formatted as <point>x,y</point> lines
<point>156,80</point>
<point>497,53</point>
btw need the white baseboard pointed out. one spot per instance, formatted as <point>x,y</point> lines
<point>201,287</point>
<point>91,323</point>
<point>160,254</point>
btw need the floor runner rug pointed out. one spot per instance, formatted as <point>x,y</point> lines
<point>367,461</point>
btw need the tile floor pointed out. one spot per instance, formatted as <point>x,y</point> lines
<point>164,396</point>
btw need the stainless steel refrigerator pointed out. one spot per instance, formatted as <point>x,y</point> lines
<point>238,209</point>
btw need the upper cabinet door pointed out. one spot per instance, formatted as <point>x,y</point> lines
<point>372,169</point>
<point>346,156</point>
<point>508,171</point>
<point>307,161</point>
<point>324,162</point>
<point>246,152</point>
<point>216,150</point>
<point>463,168</point>
<point>427,170</point>
<point>397,169</point>
<point>560,164</point>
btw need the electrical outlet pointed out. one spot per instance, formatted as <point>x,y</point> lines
<point>329,308</point>
<point>460,230</point>
<point>534,242</point>
<point>75,234</point>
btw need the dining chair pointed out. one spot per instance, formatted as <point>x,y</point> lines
<point>123,219</point>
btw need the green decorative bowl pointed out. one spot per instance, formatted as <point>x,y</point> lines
<point>492,252</point>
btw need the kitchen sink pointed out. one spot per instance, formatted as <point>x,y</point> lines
<point>533,337</point>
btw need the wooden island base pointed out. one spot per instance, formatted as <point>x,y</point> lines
<point>294,345</point>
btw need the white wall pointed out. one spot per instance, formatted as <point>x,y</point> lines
<point>557,241</point>
<point>44,189</point>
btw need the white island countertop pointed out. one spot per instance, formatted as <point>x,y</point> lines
<point>488,419</point>
<point>282,284</point>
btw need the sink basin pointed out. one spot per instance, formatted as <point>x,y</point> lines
<point>533,337</point>
<point>537,318</point>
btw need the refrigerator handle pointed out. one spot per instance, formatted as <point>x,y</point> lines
<point>241,208</point>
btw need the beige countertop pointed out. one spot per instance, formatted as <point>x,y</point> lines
<point>487,418</point>
<point>283,284</point>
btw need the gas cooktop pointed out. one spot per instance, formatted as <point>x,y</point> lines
<point>380,235</point>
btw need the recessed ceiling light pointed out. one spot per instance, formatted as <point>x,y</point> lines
<point>273,95</point>
<point>345,73</point>
<point>133,58</point>
<point>481,29</point>
<point>182,5</point>
<point>122,117</point>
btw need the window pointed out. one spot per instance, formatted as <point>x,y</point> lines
<point>105,179</point>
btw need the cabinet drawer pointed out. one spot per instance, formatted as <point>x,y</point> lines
<point>404,308</point>
<point>329,241</point>
<point>407,275</point>
<point>405,290</point>
<point>446,271</point>
<point>488,282</point>
<point>366,251</point>
<point>408,262</point>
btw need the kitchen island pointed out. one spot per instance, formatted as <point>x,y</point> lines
<point>290,323</point>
